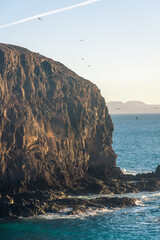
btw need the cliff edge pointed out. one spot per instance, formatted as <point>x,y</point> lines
<point>54,125</point>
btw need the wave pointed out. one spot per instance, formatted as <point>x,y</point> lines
<point>91,196</point>
<point>140,195</point>
<point>132,172</point>
<point>66,210</point>
<point>156,220</point>
<point>150,196</point>
<point>139,202</point>
<point>127,172</point>
<point>66,214</point>
<point>156,194</point>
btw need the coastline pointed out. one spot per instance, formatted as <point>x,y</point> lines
<point>38,202</point>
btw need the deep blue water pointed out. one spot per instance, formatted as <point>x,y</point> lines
<point>137,143</point>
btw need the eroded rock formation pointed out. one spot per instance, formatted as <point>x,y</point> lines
<point>54,125</point>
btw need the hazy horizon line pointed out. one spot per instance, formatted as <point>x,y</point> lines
<point>132,101</point>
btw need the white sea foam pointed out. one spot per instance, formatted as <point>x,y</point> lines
<point>128,172</point>
<point>157,220</point>
<point>94,196</point>
<point>66,213</point>
<point>62,215</point>
<point>91,196</point>
<point>146,198</point>
<point>150,196</point>
<point>138,202</point>
<point>66,210</point>
<point>156,194</point>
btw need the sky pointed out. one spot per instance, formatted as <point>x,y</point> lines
<point>120,51</point>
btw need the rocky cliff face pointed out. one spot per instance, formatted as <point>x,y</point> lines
<point>54,125</point>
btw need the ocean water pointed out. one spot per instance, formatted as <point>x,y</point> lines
<point>137,143</point>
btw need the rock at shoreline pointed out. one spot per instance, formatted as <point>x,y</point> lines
<point>54,125</point>
<point>56,139</point>
<point>40,203</point>
<point>158,170</point>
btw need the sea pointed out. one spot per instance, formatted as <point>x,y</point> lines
<point>136,140</point>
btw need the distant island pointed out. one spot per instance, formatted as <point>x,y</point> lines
<point>132,107</point>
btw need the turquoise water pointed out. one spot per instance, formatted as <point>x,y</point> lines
<point>137,143</point>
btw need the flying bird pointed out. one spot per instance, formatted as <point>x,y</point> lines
<point>41,19</point>
<point>49,13</point>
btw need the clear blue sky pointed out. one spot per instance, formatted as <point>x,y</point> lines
<point>121,42</point>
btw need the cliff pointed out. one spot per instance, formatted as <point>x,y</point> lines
<point>55,128</point>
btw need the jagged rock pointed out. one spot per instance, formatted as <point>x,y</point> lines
<point>37,203</point>
<point>54,125</point>
<point>158,170</point>
<point>55,136</point>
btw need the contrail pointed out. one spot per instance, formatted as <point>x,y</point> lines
<point>49,13</point>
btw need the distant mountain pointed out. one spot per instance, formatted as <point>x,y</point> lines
<point>132,107</point>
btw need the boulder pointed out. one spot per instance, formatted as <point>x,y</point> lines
<point>54,125</point>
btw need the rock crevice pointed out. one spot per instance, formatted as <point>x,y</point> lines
<point>54,125</point>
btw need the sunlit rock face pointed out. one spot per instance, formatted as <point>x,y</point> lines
<point>54,125</point>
